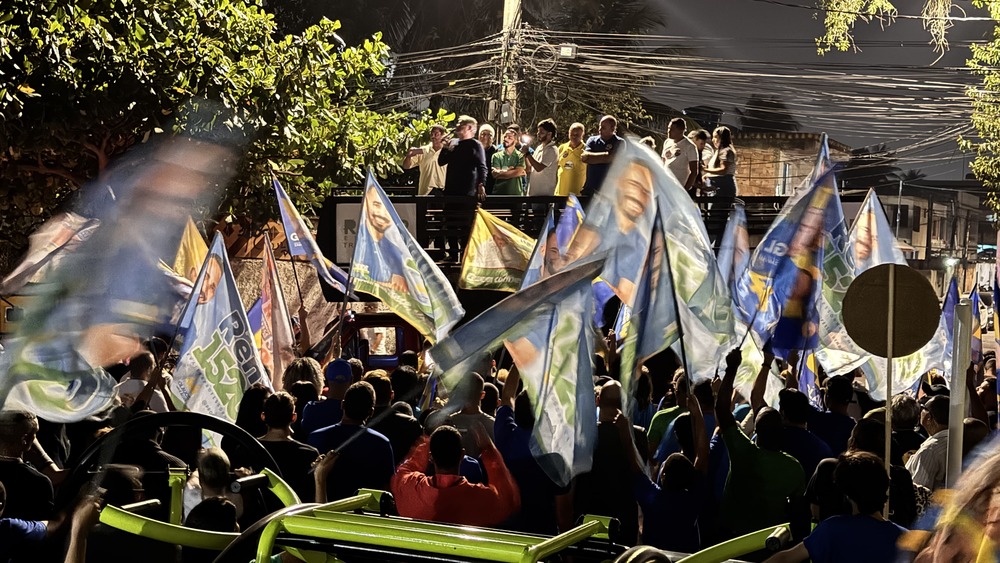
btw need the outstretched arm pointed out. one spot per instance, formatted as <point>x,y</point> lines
<point>724,400</point>
<point>757,401</point>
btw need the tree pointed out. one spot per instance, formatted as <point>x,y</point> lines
<point>870,167</point>
<point>766,114</point>
<point>84,80</point>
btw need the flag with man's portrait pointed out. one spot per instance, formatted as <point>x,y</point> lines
<point>546,329</point>
<point>218,356</point>
<point>497,254</point>
<point>391,265</point>
<point>60,235</point>
<point>540,262</point>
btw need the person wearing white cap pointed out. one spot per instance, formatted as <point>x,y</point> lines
<point>432,174</point>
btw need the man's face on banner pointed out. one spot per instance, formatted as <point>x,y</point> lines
<point>376,214</point>
<point>213,273</point>
<point>865,239</point>
<point>634,192</point>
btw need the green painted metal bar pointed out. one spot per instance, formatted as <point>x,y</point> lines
<point>163,531</point>
<point>563,540</point>
<point>453,545</point>
<point>176,478</point>
<point>281,489</point>
<point>733,548</point>
<point>425,527</point>
<point>270,532</point>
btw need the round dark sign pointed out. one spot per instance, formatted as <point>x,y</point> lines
<point>866,310</point>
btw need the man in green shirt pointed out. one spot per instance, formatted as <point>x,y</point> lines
<point>662,419</point>
<point>508,166</point>
<point>762,479</point>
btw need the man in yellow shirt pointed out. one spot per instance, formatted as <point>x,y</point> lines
<point>572,170</point>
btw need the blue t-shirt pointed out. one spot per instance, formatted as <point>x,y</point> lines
<point>670,518</point>
<point>320,414</point>
<point>16,533</point>
<point>366,462</point>
<point>858,539</point>
<point>597,172</point>
<point>834,429</point>
<point>806,447</point>
<point>669,444</point>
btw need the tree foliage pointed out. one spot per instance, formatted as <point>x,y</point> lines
<point>985,98</point>
<point>81,81</point>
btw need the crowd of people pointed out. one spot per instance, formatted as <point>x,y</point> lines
<point>462,163</point>
<point>693,466</point>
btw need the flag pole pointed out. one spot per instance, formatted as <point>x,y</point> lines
<point>677,308</point>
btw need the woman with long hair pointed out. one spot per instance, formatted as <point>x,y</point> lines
<point>720,173</point>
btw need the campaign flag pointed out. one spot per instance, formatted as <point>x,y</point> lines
<point>873,244</point>
<point>302,243</point>
<point>60,235</point>
<point>191,253</point>
<point>389,264</point>
<point>977,327</point>
<point>996,310</point>
<point>809,379</point>
<point>105,298</point>
<point>277,343</point>
<point>497,254</point>
<point>541,262</point>
<point>569,222</point>
<point>680,276</point>
<point>547,332</point>
<point>618,223</point>
<point>218,358</point>
<point>734,256</point>
<point>255,316</point>
<point>781,284</point>
<point>948,318</point>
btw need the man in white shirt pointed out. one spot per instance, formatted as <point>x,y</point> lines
<point>680,156</point>
<point>543,163</point>
<point>432,174</point>
<point>928,465</point>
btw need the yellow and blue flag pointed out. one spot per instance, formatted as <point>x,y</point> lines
<point>191,252</point>
<point>544,257</point>
<point>734,256</point>
<point>497,255</point>
<point>218,356</point>
<point>255,316</point>
<point>389,264</point>
<point>546,329</point>
<point>302,243</point>
<point>277,340</point>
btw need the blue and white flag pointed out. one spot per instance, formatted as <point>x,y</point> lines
<point>104,299</point>
<point>302,243</point>
<point>679,275</point>
<point>218,358</point>
<point>873,244</point>
<point>569,223</point>
<point>977,327</point>
<point>782,284</point>
<point>544,257</point>
<point>389,264</point>
<point>734,256</point>
<point>951,299</point>
<point>547,332</point>
<point>618,223</point>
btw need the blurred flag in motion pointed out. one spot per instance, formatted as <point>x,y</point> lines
<point>103,300</point>
<point>277,341</point>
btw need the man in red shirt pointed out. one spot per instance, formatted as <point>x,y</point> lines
<point>447,496</point>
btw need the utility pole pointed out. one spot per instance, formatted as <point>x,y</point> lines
<point>508,64</point>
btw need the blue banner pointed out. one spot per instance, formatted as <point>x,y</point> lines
<point>218,357</point>
<point>389,264</point>
<point>302,243</point>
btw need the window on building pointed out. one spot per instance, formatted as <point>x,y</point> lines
<point>916,219</point>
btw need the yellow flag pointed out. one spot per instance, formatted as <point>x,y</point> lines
<point>191,253</point>
<point>497,255</point>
